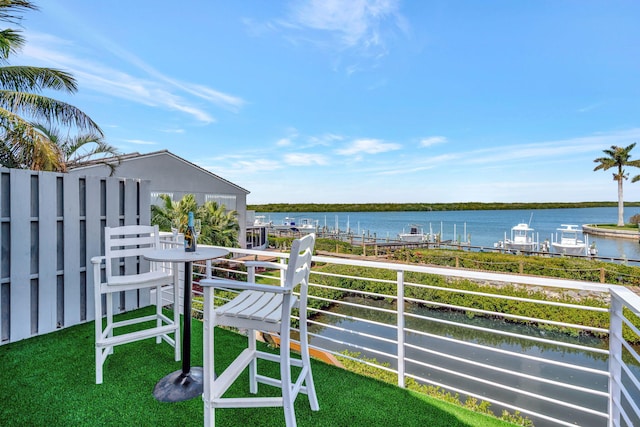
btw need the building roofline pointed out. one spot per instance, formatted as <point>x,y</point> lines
<point>136,155</point>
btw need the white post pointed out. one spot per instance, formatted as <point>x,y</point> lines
<point>400,325</point>
<point>615,356</point>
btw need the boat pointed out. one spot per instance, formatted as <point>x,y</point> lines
<point>261,221</point>
<point>306,225</point>
<point>522,239</point>
<point>415,235</point>
<point>570,242</point>
<point>287,224</point>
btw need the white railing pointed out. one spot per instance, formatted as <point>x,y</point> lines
<point>544,375</point>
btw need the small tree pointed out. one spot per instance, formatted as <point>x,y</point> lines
<point>618,157</point>
<point>219,227</point>
<point>84,147</point>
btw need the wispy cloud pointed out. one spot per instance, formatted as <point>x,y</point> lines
<point>305,159</point>
<point>362,27</point>
<point>432,140</point>
<point>368,146</point>
<point>588,108</point>
<point>548,150</point>
<point>154,89</point>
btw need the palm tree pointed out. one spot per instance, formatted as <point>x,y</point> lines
<point>81,148</point>
<point>21,145</point>
<point>219,227</point>
<point>618,157</point>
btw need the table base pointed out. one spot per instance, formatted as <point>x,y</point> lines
<point>177,386</point>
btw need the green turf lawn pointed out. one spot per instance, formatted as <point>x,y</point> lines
<point>49,381</point>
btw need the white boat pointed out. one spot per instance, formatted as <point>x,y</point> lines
<point>261,221</point>
<point>287,224</point>
<point>306,225</point>
<point>415,234</point>
<point>522,239</point>
<point>570,242</point>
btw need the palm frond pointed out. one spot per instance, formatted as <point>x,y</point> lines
<point>11,41</point>
<point>42,107</point>
<point>25,147</point>
<point>22,78</point>
<point>9,10</point>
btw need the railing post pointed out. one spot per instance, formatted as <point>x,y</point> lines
<point>282,272</point>
<point>400,325</point>
<point>615,356</point>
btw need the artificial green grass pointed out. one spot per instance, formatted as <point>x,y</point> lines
<point>49,381</point>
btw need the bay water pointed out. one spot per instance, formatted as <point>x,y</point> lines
<point>480,228</point>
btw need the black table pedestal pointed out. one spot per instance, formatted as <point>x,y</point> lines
<point>186,383</point>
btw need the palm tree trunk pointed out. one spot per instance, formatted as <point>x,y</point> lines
<point>620,204</point>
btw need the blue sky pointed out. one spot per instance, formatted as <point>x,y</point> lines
<point>360,101</point>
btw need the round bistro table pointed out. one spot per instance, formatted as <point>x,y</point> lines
<point>187,382</point>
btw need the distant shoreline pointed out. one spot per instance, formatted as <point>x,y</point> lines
<point>593,229</point>
<point>425,207</point>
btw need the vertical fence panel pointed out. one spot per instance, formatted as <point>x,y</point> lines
<point>20,248</point>
<point>5,254</point>
<point>129,198</point>
<point>51,225</point>
<point>47,268</point>
<point>95,232</point>
<point>71,230</point>
<point>113,220</point>
<point>144,217</point>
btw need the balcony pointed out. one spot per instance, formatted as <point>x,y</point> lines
<point>426,328</point>
<point>48,381</point>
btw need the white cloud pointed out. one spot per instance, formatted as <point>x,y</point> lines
<point>156,89</point>
<point>368,146</point>
<point>304,159</point>
<point>283,142</point>
<point>432,140</point>
<point>356,22</point>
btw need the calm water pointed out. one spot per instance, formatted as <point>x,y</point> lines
<point>511,344</point>
<point>483,228</point>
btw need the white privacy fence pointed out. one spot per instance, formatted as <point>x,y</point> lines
<point>510,351</point>
<point>51,225</point>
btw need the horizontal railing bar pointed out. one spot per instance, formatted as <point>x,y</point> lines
<point>510,298</point>
<point>511,372</point>
<point>335,353</point>
<point>631,326</point>
<point>472,274</point>
<point>508,316</point>
<point>632,376</point>
<point>631,350</point>
<point>353,291</point>
<point>507,388</point>
<point>359,347</point>
<point>510,334</point>
<point>352,332</point>
<point>511,353</point>
<point>351,304</point>
<point>344,316</point>
<point>494,401</point>
<point>629,399</point>
<point>345,276</point>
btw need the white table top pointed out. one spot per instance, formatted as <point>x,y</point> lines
<point>179,254</point>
